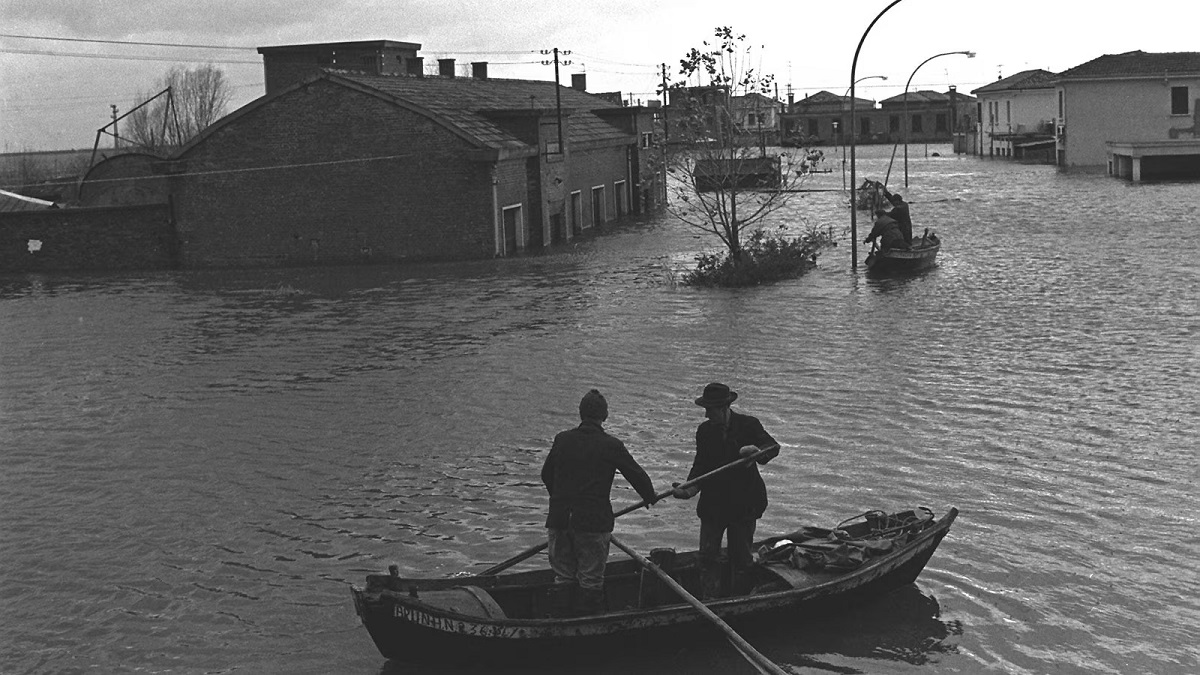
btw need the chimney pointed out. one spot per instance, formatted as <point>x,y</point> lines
<point>416,66</point>
<point>479,70</point>
<point>579,81</point>
<point>446,67</point>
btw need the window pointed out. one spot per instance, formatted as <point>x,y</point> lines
<point>916,124</point>
<point>940,122</point>
<point>1179,101</point>
<point>865,126</point>
<point>1008,113</point>
<point>647,139</point>
<point>814,128</point>
<point>894,123</point>
<point>1060,104</point>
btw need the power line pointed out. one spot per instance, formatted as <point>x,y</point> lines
<point>23,105</point>
<point>120,57</point>
<point>122,42</point>
<point>244,170</point>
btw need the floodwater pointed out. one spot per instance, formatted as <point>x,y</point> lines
<point>197,465</point>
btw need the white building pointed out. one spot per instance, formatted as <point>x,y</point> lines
<point>1133,115</point>
<point>1017,116</point>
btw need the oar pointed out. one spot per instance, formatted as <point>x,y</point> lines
<point>534,550</point>
<point>756,659</point>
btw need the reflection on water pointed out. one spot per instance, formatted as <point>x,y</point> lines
<point>197,463</point>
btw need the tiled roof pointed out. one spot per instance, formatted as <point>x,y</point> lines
<point>923,96</point>
<point>1135,64</point>
<point>926,97</point>
<point>829,98</point>
<point>471,104</point>
<point>1026,79</point>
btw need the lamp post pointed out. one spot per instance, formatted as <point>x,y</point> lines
<point>869,77</point>
<point>907,121</point>
<point>853,173</point>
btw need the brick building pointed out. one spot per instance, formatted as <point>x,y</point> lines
<point>390,164</point>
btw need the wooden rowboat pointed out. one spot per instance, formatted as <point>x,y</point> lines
<point>508,617</point>
<point>922,255</point>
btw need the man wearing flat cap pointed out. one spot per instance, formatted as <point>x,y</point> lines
<point>732,501</point>
<point>578,474</point>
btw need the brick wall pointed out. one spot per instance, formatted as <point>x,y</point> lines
<point>331,175</point>
<point>107,238</point>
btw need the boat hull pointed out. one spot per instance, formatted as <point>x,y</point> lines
<point>921,256</point>
<point>406,628</point>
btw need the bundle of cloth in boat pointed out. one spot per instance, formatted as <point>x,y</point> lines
<point>819,553</point>
<point>845,546</point>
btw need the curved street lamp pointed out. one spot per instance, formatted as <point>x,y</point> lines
<point>853,178</point>
<point>907,121</point>
<point>868,77</point>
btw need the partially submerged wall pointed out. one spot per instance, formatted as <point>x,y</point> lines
<point>106,238</point>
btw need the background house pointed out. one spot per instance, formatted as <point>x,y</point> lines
<point>928,116</point>
<point>1017,116</point>
<point>824,118</point>
<point>1133,115</point>
<point>821,119</point>
<point>757,117</point>
<point>354,167</point>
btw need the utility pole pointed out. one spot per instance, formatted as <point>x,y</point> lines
<point>557,93</point>
<point>116,135</point>
<point>666,102</point>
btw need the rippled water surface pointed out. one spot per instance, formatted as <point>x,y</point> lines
<point>196,465</point>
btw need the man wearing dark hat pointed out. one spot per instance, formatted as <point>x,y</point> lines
<point>901,215</point>
<point>732,501</point>
<point>579,473</point>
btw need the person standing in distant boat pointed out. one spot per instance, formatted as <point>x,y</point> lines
<point>731,502</point>
<point>578,474</point>
<point>902,216</point>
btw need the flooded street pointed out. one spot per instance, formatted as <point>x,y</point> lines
<point>197,464</point>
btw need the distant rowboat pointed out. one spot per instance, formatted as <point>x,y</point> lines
<point>921,255</point>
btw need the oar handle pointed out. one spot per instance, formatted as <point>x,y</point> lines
<point>701,478</point>
<point>534,550</point>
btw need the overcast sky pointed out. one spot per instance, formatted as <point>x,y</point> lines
<point>55,93</point>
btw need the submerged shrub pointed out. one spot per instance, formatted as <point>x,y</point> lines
<point>764,258</point>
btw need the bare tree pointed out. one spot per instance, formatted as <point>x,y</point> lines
<point>724,179</point>
<point>187,101</point>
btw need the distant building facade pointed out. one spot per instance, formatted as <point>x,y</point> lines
<point>919,117</point>
<point>1133,115</point>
